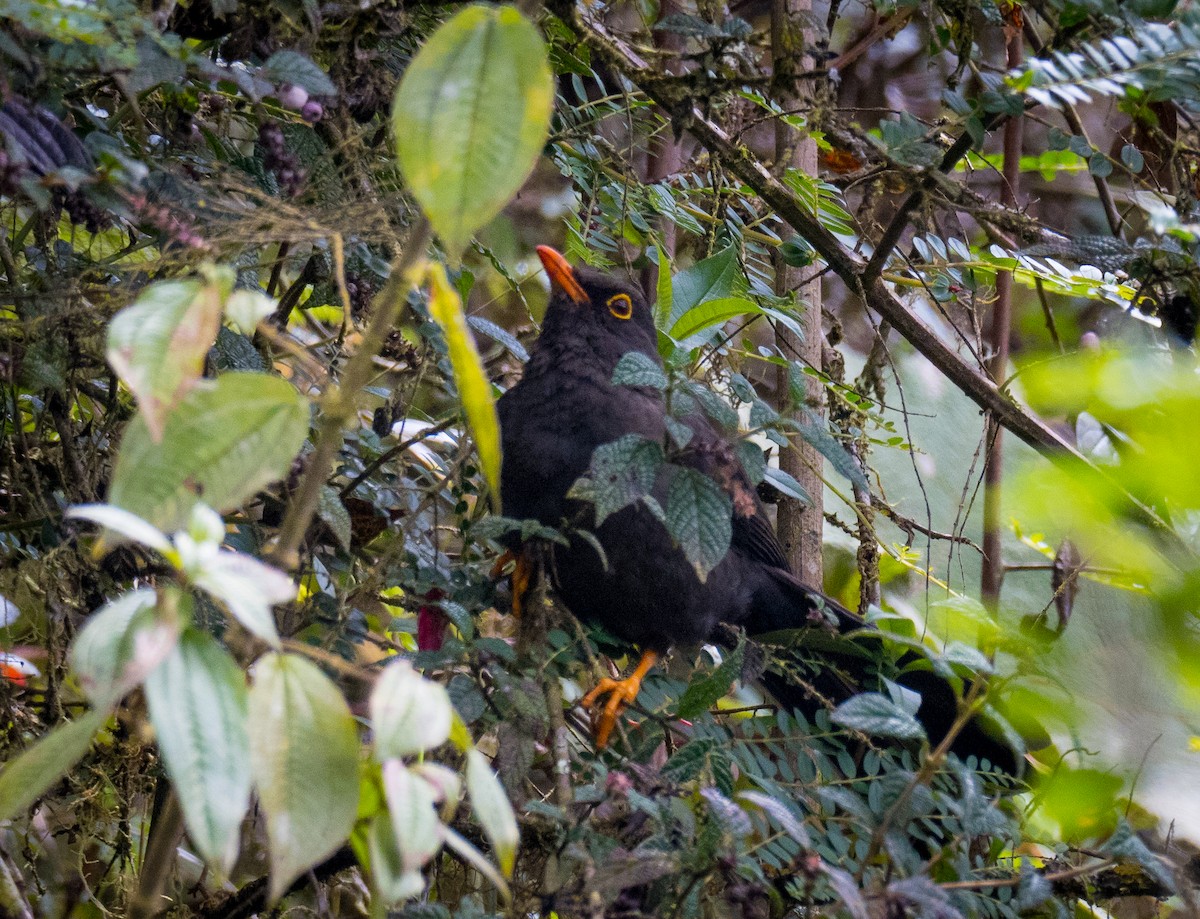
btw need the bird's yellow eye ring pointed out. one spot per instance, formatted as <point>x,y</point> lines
<point>620,306</point>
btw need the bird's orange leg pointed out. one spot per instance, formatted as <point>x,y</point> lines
<point>522,574</point>
<point>620,693</point>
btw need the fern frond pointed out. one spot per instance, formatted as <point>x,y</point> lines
<point>1159,57</point>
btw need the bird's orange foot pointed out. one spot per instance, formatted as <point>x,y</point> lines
<point>620,694</point>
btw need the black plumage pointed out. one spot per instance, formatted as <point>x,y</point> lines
<point>644,589</point>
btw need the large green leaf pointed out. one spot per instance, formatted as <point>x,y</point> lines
<point>198,706</point>
<point>699,519</point>
<point>471,116</point>
<point>26,778</point>
<point>304,759</point>
<point>157,346</point>
<point>709,279</point>
<point>704,316</point>
<point>221,444</point>
<point>474,390</point>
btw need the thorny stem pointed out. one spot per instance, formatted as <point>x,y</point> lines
<point>338,405</point>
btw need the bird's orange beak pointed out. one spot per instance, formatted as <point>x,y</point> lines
<point>562,276</point>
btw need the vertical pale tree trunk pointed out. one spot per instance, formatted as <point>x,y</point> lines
<point>992,574</point>
<point>663,159</point>
<point>799,526</point>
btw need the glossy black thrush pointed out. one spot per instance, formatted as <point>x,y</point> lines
<point>644,589</point>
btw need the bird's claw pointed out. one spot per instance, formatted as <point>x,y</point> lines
<point>620,694</point>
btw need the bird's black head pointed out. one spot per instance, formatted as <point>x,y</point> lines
<point>615,311</point>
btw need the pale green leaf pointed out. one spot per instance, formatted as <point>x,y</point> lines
<point>157,346</point>
<point>248,589</point>
<point>638,369</point>
<point>391,881</point>
<point>778,812</point>
<point>334,515</point>
<point>471,116</point>
<point>476,859</point>
<point>223,443</point>
<point>474,390</point>
<point>409,713</point>
<point>304,760</point>
<point>288,66</point>
<point>410,802</point>
<point>786,483</point>
<point>124,524</point>
<point>493,810</point>
<point>198,706</point>
<point>875,714</point>
<point>662,308</point>
<point>446,785</point>
<point>246,308</point>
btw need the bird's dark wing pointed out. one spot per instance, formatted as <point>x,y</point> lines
<point>753,536</point>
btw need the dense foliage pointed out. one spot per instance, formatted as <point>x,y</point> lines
<point>267,267</point>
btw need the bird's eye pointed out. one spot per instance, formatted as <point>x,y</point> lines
<point>620,306</point>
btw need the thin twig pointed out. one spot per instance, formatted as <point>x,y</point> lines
<point>1051,325</point>
<point>910,526</point>
<point>393,452</point>
<point>984,884</point>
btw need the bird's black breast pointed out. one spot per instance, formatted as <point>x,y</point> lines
<point>564,407</point>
